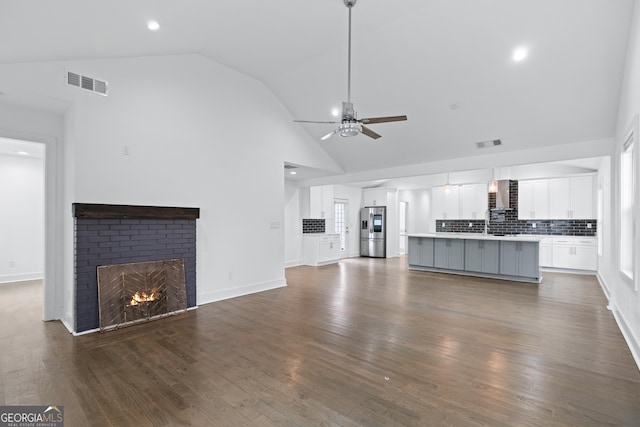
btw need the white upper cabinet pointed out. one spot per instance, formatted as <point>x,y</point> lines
<point>571,198</point>
<point>556,198</point>
<point>560,198</point>
<point>582,189</point>
<point>474,201</point>
<point>444,205</point>
<point>321,201</point>
<point>374,197</point>
<point>533,199</point>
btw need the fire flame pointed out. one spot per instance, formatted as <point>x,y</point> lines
<point>140,297</point>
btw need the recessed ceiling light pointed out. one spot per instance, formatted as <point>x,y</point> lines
<point>520,53</point>
<point>22,153</point>
<point>293,172</point>
<point>153,25</point>
<point>335,112</point>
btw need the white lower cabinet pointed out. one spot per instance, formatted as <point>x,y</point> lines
<point>321,249</point>
<point>546,252</point>
<point>579,253</point>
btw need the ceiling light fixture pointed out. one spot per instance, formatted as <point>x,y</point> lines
<point>293,172</point>
<point>335,112</point>
<point>153,25</point>
<point>520,53</point>
<point>349,128</point>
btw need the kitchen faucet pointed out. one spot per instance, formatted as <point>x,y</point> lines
<point>487,215</point>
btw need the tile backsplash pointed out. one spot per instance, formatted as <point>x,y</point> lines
<point>507,222</point>
<point>313,225</point>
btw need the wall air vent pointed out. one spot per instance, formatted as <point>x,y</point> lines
<point>489,143</point>
<point>87,83</point>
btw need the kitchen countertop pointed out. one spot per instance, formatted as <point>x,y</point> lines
<point>481,236</point>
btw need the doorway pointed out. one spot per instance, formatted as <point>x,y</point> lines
<point>22,216</point>
<point>402,219</point>
<point>341,213</point>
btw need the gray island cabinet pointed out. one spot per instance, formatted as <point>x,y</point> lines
<point>501,257</point>
<point>449,254</point>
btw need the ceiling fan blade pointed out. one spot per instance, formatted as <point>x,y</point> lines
<point>370,133</point>
<point>371,120</point>
<point>313,121</point>
<point>329,135</point>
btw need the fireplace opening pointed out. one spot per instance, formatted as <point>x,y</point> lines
<point>135,292</point>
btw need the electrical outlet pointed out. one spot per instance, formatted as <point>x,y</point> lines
<point>444,224</point>
<point>533,225</point>
<point>470,225</point>
<point>125,150</point>
<point>588,225</point>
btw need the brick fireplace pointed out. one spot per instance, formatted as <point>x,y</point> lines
<point>123,234</point>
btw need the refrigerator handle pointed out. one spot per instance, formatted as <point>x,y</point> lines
<point>370,223</point>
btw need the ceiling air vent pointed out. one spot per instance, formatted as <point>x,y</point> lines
<point>87,83</point>
<point>489,143</point>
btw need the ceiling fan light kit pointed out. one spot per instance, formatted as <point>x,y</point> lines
<point>350,125</point>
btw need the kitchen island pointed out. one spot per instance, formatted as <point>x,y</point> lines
<point>472,254</point>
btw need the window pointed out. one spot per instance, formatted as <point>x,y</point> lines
<point>627,207</point>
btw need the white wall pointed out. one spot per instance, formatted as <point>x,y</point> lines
<point>198,134</point>
<point>624,299</point>
<point>606,230</point>
<point>292,224</point>
<point>21,218</point>
<point>418,210</point>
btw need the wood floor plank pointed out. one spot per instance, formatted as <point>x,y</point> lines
<point>363,342</point>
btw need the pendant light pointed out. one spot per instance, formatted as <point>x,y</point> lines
<point>493,184</point>
<point>447,186</point>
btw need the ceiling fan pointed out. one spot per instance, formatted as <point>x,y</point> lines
<point>351,125</point>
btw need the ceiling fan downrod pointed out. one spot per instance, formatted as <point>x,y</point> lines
<point>349,4</point>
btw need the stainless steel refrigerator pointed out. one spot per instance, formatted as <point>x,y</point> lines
<point>373,232</point>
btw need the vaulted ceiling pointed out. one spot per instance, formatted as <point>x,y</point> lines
<point>446,64</point>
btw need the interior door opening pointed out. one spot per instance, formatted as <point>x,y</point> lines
<point>22,218</point>
<point>402,226</point>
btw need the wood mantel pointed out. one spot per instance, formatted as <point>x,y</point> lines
<point>102,211</point>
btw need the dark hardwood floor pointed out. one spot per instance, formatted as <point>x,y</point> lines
<point>362,343</point>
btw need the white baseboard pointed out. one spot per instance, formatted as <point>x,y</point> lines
<point>294,263</point>
<point>209,297</point>
<point>23,277</point>
<point>67,325</point>
<point>569,270</point>
<point>605,288</point>
<point>632,341</point>
<point>90,331</point>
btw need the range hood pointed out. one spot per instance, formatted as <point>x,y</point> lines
<point>502,196</point>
